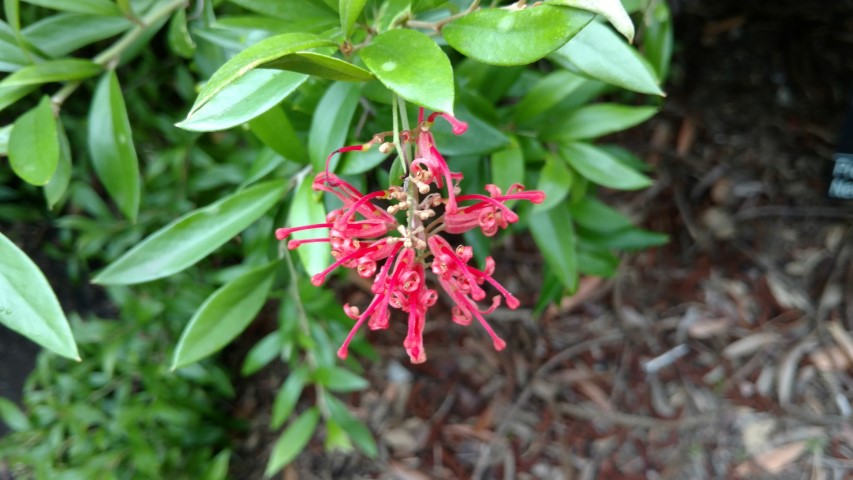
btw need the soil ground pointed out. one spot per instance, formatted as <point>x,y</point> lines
<point>724,354</point>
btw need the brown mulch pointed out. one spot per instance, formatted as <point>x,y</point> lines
<point>725,354</point>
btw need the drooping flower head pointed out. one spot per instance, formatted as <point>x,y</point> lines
<point>364,235</point>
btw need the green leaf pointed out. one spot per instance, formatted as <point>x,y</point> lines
<point>592,121</point>
<point>218,467</point>
<point>336,437</point>
<point>597,261</point>
<point>338,379</point>
<point>265,162</point>
<point>275,130</point>
<point>288,396</point>
<point>192,237</point>
<point>599,53</point>
<point>593,214</point>
<point>12,416</point>
<point>546,94</point>
<point>111,146</point>
<point>330,124</point>
<point>180,40</point>
<point>292,441</point>
<point>301,15</point>
<point>262,353</point>
<point>412,66</point>
<point>64,70</point>
<point>224,315</point>
<point>658,38</point>
<point>349,11</point>
<point>34,144</point>
<point>514,37</point>
<point>64,33</point>
<point>612,10</point>
<point>10,95</point>
<point>481,138</point>
<point>357,430</point>
<point>258,54</point>
<point>320,65</point>
<point>57,185</point>
<point>28,304</point>
<point>556,181</point>
<point>554,234</point>
<point>508,167</point>
<point>628,239</point>
<point>92,7</point>
<point>602,168</point>
<point>307,209</point>
<point>246,98</point>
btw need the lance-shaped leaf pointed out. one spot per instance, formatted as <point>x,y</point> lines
<point>592,121</point>
<point>68,69</point>
<point>331,122</point>
<point>349,11</point>
<point>28,304</point>
<point>57,185</point>
<point>514,37</point>
<point>34,144</point>
<point>275,130</point>
<point>224,315</point>
<point>111,146</point>
<point>91,7</point>
<point>412,66</point>
<point>292,441</point>
<point>598,52</point>
<point>612,10</point>
<point>248,97</point>
<point>602,168</point>
<point>320,65</point>
<point>192,237</point>
<point>555,235</point>
<point>307,209</point>
<point>258,54</point>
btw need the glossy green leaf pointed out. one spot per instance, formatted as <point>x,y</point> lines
<point>192,237</point>
<point>12,416</point>
<point>597,261</point>
<point>247,97</point>
<point>349,11</point>
<point>264,352</point>
<point>266,161</point>
<point>554,234</point>
<point>288,396</point>
<point>180,40</point>
<point>330,123</point>
<point>34,144</point>
<point>320,65</point>
<point>658,38</point>
<point>514,37</point>
<point>336,437</point>
<point>57,185</point>
<point>300,15</point>
<point>92,7</point>
<point>599,53</point>
<point>10,95</point>
<point>64,70</point>
<point>354,163</point>
<point>480,138</point>
<point>593,214</point>
<point>224,315</point>
<point>28,304</point>
<point>111,146</point>
<point>64,33</point>
<point>258,54</point>
<point>412,66</point>
<point>612,10</point>
<point>275,130</point>
<point>628,239</point>
<point>292,441</point>
<point>307,209</point>
<point>592,121</point>
<point>508,167</point>
<point>338,379</point>
<point>602,168</point>
<point>357,430</point>
<point>546,94</point>
<point>556,181</point>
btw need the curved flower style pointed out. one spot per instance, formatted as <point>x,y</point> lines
<point>362,235</point>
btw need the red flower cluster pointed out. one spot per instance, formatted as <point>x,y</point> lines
<point>363,235</point>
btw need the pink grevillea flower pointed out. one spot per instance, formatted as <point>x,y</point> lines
<point>364,235</point>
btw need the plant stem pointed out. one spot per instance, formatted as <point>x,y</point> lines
<point>109,57</point>
<point>444,21</point>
